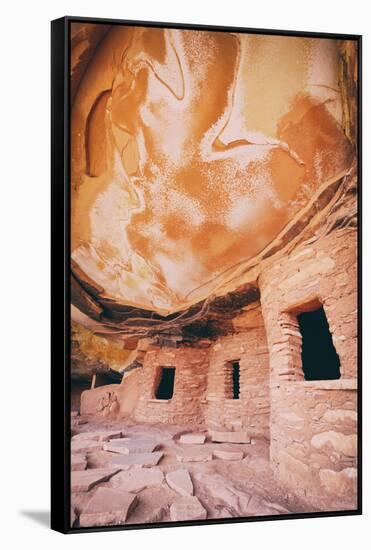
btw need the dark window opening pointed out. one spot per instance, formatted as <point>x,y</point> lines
<point>319,358</point>
<point>165,388</point>
<point>236,379</point>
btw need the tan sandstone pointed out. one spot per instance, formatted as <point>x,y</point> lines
<point>107,507</point>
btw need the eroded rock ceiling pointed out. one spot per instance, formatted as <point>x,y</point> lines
<point>194,154</point>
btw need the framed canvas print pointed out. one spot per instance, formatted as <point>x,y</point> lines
<point>205,274</point>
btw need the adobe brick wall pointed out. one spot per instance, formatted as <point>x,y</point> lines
<point>313,424</point>
<point>249,347</point>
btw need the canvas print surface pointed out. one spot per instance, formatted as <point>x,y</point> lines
<point>214,274</point>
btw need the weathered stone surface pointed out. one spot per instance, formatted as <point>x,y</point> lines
<point>147,514</point>
<point>86,446</point>
<point>145,460</point>
<point>292,470</point>
<point>192,439</point>
<point>138,479</point>
<point>194,455</point>
<point>187,509</point>
<point>339,415</point>
<point>345,444</point>
<point>72,517</point>
<point>78,462</point>
<point>130,446</point>
<point>228,454</point>
<point>230,437</point>
<point>98,436</point>
<point>339,483</point>
<point>242,503</point>
<point>225,492</point>
<point>107,507</point>
<point>77,421</point>
<point>85,480</point>
<point>153,505</point>
<point>181,482</point>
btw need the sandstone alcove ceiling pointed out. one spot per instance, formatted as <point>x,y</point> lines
<point>180,188</point>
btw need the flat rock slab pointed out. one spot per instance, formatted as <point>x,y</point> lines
<point>86,446</point>
<point>181,482</point>
<point>153,505</point>
<point>130,446</point>
<point>192,439</point>
<point>141,460</point>
<point>228,454</point>
<point>97,436</point>
<point>107,507</point>
<point>241,502</point>
<point>187,509</point>
<point>222,490</point>
<point>78,462</point>
<point>230,437</point>
<point>138,479</point>
<point>194,455</point>
<point>147,514</point>
<point>87,479</point>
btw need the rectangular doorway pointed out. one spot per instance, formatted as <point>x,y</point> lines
<point>320,360</point>
<point>165,388</point>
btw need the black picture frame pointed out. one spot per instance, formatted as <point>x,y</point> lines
<point>60,272</point>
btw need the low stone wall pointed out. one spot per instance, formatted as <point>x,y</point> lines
<point>186,405</point>
<point>249,347</point>
<point>314,443</point>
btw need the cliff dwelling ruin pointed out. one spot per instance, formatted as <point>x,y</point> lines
<point>214,275</point>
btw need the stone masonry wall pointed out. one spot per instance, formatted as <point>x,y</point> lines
<point>186,405</point>
<point>248,346</point>
<point>313,424</point>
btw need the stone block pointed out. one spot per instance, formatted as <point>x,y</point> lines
<point>192,439</point>
<point>194,455</point>
<point>130,446</point>
<point>83,481</point>
<point>181,482</point>
<point>187,509</point>
<point>341,443</point>
<point>107,507</point>
<point>229,437</point>
<point>78,462</point>
<point>339,415</point>
<point>147,514</point>
<point>137,479</point>
<point>228,454</point>
<point>141,460</point>
<point>86,446</point>
<point>339,483</point>
<point>98,436</point>
<point>291,471</point>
